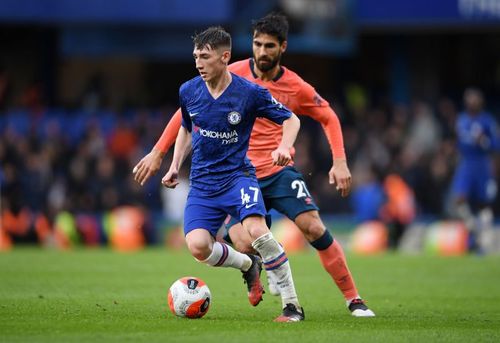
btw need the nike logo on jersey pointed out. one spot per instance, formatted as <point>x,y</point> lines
<point>193,114</point>
<point>250,205</point>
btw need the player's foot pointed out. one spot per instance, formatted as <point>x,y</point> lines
<point>252,279</point>
<point>273,287</point>
<point>291,314</point>
<point>358,308</point>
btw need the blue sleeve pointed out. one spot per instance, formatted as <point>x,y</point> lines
<point>186,119</point>
<point>493,134</point>
<point>268,107</point>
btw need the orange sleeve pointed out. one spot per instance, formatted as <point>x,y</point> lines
<point>169,135</point>
<point>313,105</point>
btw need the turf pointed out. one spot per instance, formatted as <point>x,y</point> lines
<point>100,295</point>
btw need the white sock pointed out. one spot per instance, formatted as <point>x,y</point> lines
<point>486,219</point>
<point>224,256</point>
<point>271,283</point>
<point>276,263</point>
<point>486,233</point>
<point>464,213</point>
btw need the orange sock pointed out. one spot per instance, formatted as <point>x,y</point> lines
<point>333,259</point>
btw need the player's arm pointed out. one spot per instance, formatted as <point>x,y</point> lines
<point>181,151</point>
<point>339,173</point>
<point>318,109</point>
<point>490,141</point>
<point>150,164</point>
<point>291,126</point>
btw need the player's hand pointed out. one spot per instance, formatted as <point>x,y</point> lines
<point>147,166</point>
<point>340,176</point>
<point>281,156</point>
<point>170,180</point>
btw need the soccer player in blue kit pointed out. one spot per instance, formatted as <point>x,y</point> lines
<point>474,187</point>
<point>218,112</point>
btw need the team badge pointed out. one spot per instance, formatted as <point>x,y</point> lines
<point>234,118</point>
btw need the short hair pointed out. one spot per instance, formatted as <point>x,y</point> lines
<point>213,37</point>
<point>274,24</point>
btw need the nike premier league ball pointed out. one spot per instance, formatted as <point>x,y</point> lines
<point>189,297</point>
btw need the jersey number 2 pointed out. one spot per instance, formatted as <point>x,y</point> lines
<point>302,189</point>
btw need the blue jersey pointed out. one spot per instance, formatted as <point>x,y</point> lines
<point>477,138</point>
<point>476,135</point>
<point>221,129</point>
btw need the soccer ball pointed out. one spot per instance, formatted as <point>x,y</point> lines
<point>189,297</point>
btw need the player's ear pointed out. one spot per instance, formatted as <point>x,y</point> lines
<point>226,56</point>
<point>283,46</point>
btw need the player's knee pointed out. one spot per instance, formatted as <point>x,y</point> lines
<point>313,230</point>
<point>256,227</point>
<point>257,231</point>
<point>200,249</point>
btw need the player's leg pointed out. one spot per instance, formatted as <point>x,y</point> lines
<point>242,241</point>
<point>204,249</point>
<point>292,198</point>
<point>487,190</point>
<point>201,222</point>
<point>333,260</point>
<point>239,237</point>
<point>251,211</point>
<point>462,188</point>
<point>236,235</point>
<point>276,264</point>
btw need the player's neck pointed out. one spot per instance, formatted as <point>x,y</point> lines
<point>267,75</point>
<point>218,85</point>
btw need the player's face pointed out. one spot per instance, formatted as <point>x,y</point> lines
<point>267,51</point>
<point>473,102</point>
<point>211,63</point>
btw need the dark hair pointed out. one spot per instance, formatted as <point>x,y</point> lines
<point>214,37</point>
<point>274,24</point>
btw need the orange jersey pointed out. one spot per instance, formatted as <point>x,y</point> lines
<point>293,92</point>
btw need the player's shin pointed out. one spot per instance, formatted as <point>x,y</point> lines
<point>333,259</point>
<point>276,263</point>
<point>224,256</point>
<point>486,234</point>
<point>464,213</point>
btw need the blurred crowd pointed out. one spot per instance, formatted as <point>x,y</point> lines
<point>80,161</point>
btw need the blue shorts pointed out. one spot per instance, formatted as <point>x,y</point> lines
<point>475,182</point>
<point>242,199</point>
<point>286,192</point>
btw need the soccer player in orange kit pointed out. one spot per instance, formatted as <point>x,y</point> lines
<point>283,188</point>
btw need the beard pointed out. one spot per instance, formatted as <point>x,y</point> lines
<point>267,64</point>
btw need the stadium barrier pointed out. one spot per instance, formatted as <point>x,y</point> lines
<point>129,228</point>
<point>370,238</point>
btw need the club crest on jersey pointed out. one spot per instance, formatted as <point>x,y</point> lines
<point>234,118</point>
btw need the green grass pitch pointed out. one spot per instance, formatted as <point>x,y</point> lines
<point>100,295</point>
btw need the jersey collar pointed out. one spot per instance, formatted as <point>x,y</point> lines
<point>276,78</point>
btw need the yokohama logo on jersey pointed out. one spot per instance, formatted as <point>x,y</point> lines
<point>227,137</point>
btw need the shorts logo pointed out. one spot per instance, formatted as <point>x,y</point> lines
<point>234,118</point>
